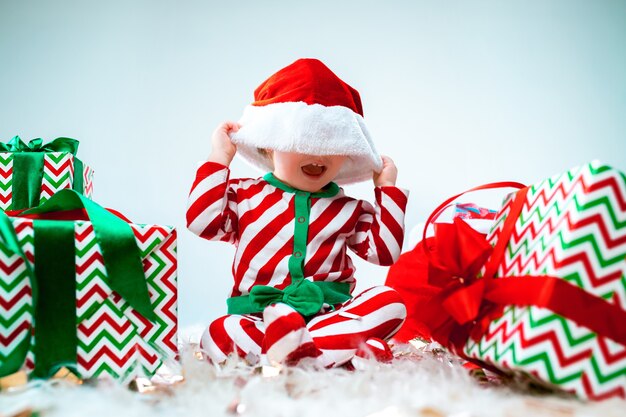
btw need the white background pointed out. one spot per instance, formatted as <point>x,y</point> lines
<point>459,93</point>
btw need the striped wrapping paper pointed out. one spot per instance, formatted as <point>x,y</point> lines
<point>113,339</point>
<point>58,174</point>
<point>572,226</point>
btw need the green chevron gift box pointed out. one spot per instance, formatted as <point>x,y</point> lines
<point>30,173</point>
<point>564,241</point>
<point>96,296</point>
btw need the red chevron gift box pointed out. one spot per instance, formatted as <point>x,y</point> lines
<point>31,173</point>
<point>96,296</point>
<point>549,301</point>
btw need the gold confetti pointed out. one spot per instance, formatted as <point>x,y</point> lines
<point>19,379</point>
<point>269,371</point>
<point>14,380</point>
<point>418,344</point>
<point>142,385</point>
<point>67,375</point>
<point>430,412</point>
<point>554,408</point>
<point>166,376</point>
<point>27,412</point>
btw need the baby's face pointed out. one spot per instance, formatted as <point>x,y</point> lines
<point>306,172</point>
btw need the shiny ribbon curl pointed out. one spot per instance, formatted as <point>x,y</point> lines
<point>61,144</point>
<point>305,297</point>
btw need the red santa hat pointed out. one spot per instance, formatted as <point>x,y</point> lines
<point>306,108</point>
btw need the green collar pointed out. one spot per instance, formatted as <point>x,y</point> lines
<point>330,190</point>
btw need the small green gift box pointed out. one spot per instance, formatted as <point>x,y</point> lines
<point>31,173</point>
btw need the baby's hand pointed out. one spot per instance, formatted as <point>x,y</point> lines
<point>223,149</point>
<point>388,175</point>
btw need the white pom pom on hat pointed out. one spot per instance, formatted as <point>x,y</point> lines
<point>306,108</point>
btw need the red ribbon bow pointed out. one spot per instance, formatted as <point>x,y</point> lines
<point>456,254</point>
<point>467,303</point>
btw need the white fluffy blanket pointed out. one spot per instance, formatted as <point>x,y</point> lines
<point>417,383</point>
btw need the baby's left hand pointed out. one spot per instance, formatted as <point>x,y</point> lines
<point>388,175</point>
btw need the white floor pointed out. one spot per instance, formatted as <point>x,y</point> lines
<point>416,384</point>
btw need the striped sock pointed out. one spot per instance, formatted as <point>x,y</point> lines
<point>375,348</point>
<point>287,339</point>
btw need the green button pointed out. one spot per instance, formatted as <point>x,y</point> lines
<point>301,219</point>
<point>297,254</point>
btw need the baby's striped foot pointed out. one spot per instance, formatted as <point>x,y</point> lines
<point>375,348</point>
<point>287,339</point>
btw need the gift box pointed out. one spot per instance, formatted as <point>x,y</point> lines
<point>31,173</point>
<point>572,227</point>
<point>543,296</point>
<point>107,309</point>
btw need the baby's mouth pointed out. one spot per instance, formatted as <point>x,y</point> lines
<point>314,170</point>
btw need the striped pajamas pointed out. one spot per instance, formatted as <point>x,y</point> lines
<point>296,242</point>
<point>376,312</point>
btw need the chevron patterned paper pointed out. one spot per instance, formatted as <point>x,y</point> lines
<point>58,174</point>
<point>16,313</point>
<point>113,339</point>
<point>572,226</point>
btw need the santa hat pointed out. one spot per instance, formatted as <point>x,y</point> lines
<point>306,108</point>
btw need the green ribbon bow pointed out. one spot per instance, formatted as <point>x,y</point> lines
<point>28,165</point>
<point>36,145</point>
<point>54,278</point>
<point>306,297</point>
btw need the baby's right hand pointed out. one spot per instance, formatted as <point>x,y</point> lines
<point>223,149</point>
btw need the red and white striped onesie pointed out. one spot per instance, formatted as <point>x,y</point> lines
<point>292,255</point>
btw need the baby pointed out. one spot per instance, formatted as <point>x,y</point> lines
<point>292,295</point>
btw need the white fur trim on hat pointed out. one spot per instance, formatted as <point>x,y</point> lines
<point>308,129</point>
